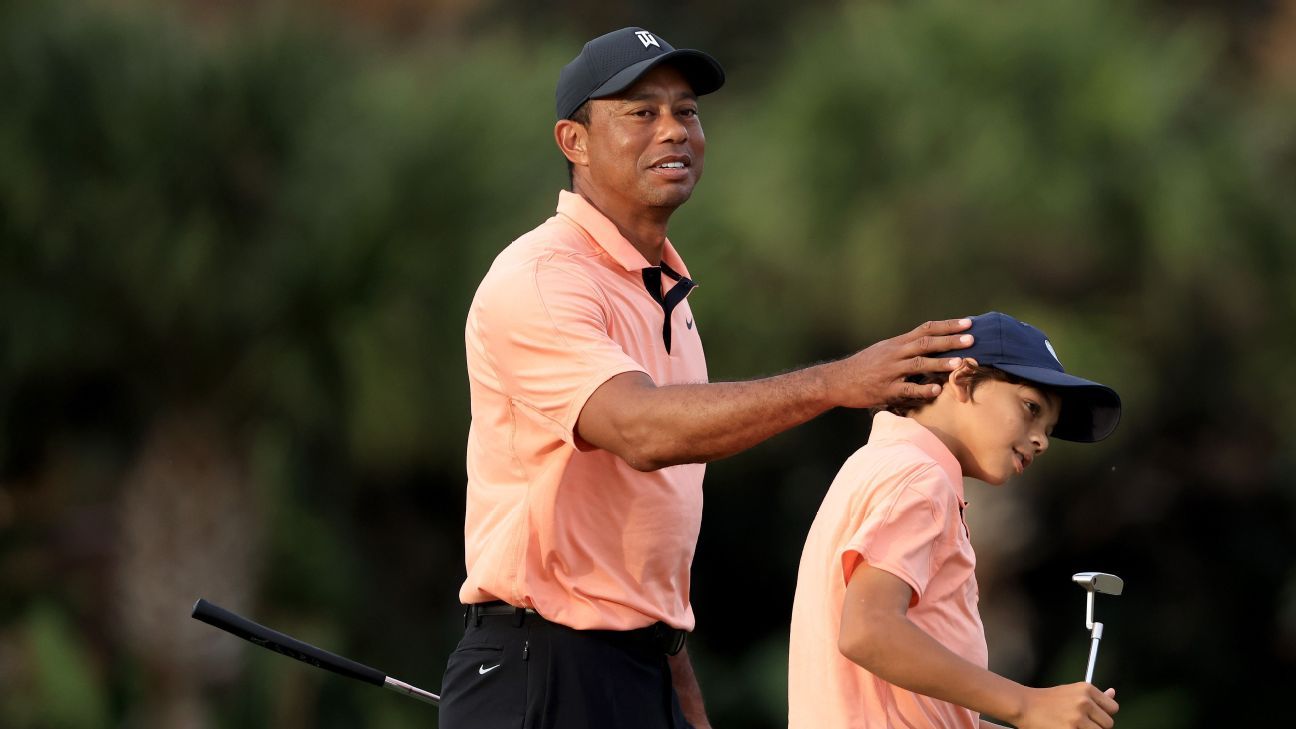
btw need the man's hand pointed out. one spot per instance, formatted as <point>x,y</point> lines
<point>1074,706</point>
<point>876,376</point>
<point>688,691</point>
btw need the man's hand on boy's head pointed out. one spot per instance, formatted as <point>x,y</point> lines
<point>876,376</point>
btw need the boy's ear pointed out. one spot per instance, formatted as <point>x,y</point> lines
<point>572,138</point>
<point>959,383</point>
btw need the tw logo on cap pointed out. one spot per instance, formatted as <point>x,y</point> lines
<point>647,38</point>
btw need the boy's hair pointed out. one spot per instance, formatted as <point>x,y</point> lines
<point>976,375</point>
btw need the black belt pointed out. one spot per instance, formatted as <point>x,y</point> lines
<point>483,609</point>
<point>669,640</point>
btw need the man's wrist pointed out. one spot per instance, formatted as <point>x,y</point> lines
<point>823,384</point>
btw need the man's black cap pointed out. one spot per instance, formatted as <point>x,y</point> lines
<point>612,63</point>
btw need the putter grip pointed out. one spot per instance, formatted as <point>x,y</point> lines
<point>286,645</point>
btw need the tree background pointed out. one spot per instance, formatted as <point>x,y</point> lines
<point>238,241</point>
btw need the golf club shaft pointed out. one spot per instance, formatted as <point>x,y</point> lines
<point>287,645</point>
<point>401,687</point>
<point>1093,651</point>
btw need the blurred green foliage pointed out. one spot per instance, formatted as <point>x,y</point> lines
<point>68,692</point>
<point>275,229</point>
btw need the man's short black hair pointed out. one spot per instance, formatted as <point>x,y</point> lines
<point>582,117</point>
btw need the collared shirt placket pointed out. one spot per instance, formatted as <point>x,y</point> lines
<point>652,277</point>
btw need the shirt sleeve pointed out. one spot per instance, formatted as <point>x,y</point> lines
<point>902,533</point>
<point>543,328</point>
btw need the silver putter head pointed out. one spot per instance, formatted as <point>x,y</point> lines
<point>1096,582</point>
<point>1099,582</point>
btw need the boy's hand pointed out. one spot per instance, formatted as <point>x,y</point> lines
<point>1075,706</point>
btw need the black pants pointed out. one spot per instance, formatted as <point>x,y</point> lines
<point>524,672</point>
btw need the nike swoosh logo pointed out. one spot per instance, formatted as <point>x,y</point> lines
<point>482,670</point>
<point>689,323</point>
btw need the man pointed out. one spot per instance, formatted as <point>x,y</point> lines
<point>592,417</point>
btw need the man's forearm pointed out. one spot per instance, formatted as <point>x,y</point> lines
<point>688,690</point>
<point>652,427</point>
<point>665,426</point>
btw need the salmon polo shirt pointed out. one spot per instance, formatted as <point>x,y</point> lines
<point>553,523</point>
<point>897,505</point>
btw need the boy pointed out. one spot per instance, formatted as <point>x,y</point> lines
<point>885,627</point>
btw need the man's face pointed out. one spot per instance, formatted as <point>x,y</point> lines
<point>646,146</point>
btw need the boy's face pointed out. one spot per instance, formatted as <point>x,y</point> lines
<point>1004,427</point>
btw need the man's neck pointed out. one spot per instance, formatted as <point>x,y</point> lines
<point>644,228</point>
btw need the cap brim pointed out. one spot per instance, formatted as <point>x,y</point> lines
<point>702,72</point>
<point>1090,411</point>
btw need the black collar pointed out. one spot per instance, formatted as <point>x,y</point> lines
<point>652,277</point>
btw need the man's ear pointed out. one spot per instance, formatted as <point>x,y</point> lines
<point>959,380</point>
<point>573,138</point>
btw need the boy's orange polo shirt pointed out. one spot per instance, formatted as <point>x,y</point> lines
<point>896,505</point>
<point>552,523</point>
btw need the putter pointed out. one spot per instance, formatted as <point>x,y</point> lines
<point>1093,583</point>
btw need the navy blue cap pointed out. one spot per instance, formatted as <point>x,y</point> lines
<point>1090,411</point>
<point>611,63</point>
